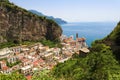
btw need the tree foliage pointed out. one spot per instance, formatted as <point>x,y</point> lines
<point>12,76</point>
<point>100,65</point>
<point>42,75</point>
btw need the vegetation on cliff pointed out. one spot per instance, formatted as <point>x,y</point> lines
<point>12,76</point>
<point>18,24</point>
<point>113,40</point>
<point>4,1</point>
<point>115,35</point>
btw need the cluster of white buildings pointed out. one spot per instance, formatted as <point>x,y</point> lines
<point>28,59</point>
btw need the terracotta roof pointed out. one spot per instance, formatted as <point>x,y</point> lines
<point>73,43</point>
<point>17,53</point>
<point>5,68</point>
<point>68,40</point>
<point>29,77</point>
<point>35,63</point>
<point>24,60</point>
<point>81,39</point>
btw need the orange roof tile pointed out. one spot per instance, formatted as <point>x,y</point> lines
<point>29,77</point>
<point>24,60</point>
<point>17,53</point>
<point>81,39</point>
<point>35,63</point>
<point>5,68</point>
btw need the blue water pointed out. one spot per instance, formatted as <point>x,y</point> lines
<point>90,30</point>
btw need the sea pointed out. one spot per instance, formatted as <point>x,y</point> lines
<point>90,30</point>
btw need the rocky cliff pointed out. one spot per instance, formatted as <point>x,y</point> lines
<point>17,24</point>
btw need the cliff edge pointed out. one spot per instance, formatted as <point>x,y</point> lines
<point>17,24</point>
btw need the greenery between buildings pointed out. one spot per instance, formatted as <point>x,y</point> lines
<point>13,64</point>
<point>49,43</point>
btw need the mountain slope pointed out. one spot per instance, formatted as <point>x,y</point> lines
<point>115,35</point>
<point>113,40</point>
<point>57,20</point>
<point>18,24</point>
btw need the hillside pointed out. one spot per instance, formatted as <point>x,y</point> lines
<point>18,24</point>
<point>115,35</point>
<point>113,40</point>
<point>102,63</point>
<point>57,20</point>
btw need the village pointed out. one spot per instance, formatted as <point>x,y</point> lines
<point>37,57</point>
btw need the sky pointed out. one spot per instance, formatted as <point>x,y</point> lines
<point>75,10</point>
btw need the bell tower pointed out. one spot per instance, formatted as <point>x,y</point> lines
<point>76,35</point>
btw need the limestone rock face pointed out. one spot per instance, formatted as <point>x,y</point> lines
<point>19,24</point>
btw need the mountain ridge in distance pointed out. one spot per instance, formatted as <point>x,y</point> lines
<point>57,20</point>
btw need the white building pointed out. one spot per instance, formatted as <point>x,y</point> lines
<point>27,70</point>
<point>5,52</point>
